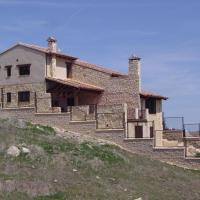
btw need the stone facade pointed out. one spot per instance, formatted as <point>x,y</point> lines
<point>51,97</point>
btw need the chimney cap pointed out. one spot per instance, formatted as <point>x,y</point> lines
<point>51,39</point>
<point>134,57</point>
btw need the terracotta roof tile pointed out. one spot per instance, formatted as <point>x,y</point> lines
<point>76,84</point>
<point>98,68</point>
<point>46,50</point>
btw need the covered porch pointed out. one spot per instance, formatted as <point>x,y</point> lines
<point>67,93</point>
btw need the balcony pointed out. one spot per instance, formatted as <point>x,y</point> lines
<point>141,114</point>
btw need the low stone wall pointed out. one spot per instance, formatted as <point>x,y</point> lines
<point>142,146</point>
<point>145,147</point>
<point>111,116</point>
<point>83,113</point>
<point>60,120</point>
<point>192,147</point>
<point>28,114</point>
<point>110,121</point>
<point>173,135</point>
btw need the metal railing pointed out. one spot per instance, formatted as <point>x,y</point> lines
<point>192,130</point>
<point>168,139</point>
<point>173,123</point>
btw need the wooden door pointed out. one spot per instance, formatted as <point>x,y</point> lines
<point>138,131</point>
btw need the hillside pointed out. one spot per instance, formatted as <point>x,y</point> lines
<point>58,168</point>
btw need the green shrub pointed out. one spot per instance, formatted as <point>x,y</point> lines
<point>197,155</point>
<point>56,196</point>
<point>40,129</point>
<point>103,152</point>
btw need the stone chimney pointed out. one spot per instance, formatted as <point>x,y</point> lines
<point>52,44</point>
<point>135,71</point>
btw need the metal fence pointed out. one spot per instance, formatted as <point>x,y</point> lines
<point>173,123</point>
<point>166,138</point>
<point>192,130</point>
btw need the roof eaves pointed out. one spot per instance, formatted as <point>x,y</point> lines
<point>151,94</point>
<point>76,84</point>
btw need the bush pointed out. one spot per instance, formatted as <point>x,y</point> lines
<point>197,155</point>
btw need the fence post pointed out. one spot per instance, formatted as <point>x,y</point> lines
<point>183,127</point>
<point>97,121</point>
<point>2,98</point>
<point>35,102</point>
<point>199,129</point>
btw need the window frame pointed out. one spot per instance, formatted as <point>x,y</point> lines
<point>68,70</point>
<point>8,97</point>
<point>24,67</point>
<point>8,71</point>
<point>23,99</point>
<point>151,104</point>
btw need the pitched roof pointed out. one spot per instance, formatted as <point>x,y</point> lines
<point>41,49</point>
<point>46,50</point>
<point>75,59</point>
<point>76,84</point>
<point>98,67</point>
<point>152,94</point>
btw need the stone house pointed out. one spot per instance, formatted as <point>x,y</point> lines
<point>44,84</point>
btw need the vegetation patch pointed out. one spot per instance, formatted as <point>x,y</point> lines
<point>66,169</point>
<point>40,129</point>
<point>103,152</point>
<point>197,155</point>
<point>7,177</point>
<point>56,196</point>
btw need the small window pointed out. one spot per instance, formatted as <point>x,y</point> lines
<point>24,96</point>
<point>8,97</point>
<point>8,70</point>
<point>69,70</point>
<point>24,69</point>
<point>151,105</point>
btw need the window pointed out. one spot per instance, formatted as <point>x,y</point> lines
<point>69,70</point>
<point>8,70</point>
<point>24,96</point>
<point>8,97</point>
<point>151,105</point>
<point>24,69</point>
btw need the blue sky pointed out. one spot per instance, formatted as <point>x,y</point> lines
<point>164,33</point>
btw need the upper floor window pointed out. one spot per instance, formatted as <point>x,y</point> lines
<point>69,70</point>
<point>151,105</point>
<point>8,70</point>
<point>24,69</point>
<point>24,96</point>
